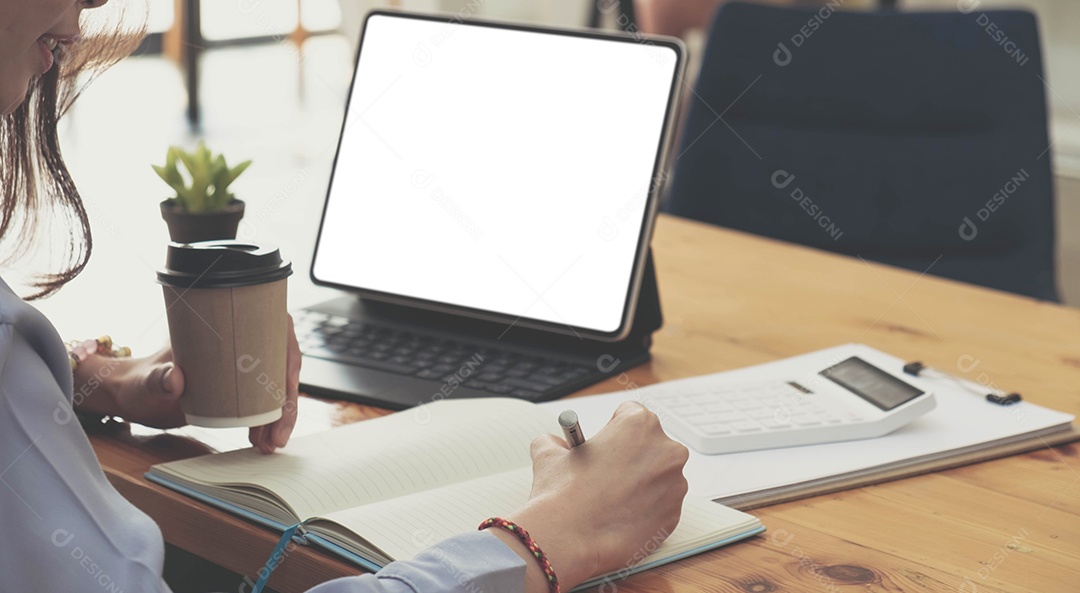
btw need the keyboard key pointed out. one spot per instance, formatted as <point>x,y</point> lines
<point>527,385</point>
<point>491,387</point>
<point>336,346</point>
<point>392,367</point>
<point>546,380</point>
<point>312,317</point>
<point>335,321</point>
<point>429,374</point>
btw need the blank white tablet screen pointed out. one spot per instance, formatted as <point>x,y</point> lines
<point>495,169</point>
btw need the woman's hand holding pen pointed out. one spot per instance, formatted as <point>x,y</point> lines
<point>604,504</point>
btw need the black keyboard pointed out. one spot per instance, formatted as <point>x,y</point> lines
<point>484,368</point>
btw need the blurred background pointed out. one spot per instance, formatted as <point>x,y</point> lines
<point>266,80</point>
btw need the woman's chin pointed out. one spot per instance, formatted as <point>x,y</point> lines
<point>12,94</point>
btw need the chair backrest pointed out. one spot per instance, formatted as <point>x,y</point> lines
<point>914,139</point>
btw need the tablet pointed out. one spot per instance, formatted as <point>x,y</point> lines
<point>500,171</point>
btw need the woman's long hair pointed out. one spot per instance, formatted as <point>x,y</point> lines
<point>36,189</point>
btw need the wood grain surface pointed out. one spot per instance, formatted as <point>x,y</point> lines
<point>732,300</point>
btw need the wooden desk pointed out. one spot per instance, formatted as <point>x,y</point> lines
<point>732,300</point>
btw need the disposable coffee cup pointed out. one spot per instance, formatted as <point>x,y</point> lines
<point>225,301</point>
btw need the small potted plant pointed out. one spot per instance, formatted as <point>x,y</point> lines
<point>203,209</point>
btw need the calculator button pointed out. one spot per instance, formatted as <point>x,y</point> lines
<point>716,429</point>
<point>745,426</point>
<point>718,407</point>
<point>681,409</point>
<point>702,419</point>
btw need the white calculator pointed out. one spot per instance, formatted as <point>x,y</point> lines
<point>850,400</point>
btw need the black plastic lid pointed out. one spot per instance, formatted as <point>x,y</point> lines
<point>222,264</point>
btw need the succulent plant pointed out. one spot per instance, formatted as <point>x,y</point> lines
<point>205,186</point>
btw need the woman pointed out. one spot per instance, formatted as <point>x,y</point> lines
<point>67,529</point>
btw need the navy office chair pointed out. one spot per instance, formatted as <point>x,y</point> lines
<point>898,137</point>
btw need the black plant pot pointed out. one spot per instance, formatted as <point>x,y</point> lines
<point>189,227</point>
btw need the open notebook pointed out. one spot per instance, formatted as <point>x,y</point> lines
<point>385,489</point>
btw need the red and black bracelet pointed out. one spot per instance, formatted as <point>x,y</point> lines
<point>534,549</point>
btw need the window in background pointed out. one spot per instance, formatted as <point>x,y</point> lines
<point>161,16</point>
<point>320,15</point>
<point>226,21</point>
<point>267,18</point>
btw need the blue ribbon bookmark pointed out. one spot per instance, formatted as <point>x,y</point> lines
<point>276,558</point>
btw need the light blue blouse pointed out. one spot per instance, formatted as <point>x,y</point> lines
<point>65,528</point>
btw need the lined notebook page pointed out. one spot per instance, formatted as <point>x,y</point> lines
<point>434,445</point>
<point>403,527</point>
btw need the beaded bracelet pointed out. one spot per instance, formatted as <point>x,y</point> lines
<point>534,549</point>
<point>78,351</point>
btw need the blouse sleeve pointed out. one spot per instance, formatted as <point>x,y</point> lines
<point>65,528</point>
<point>465,563</point>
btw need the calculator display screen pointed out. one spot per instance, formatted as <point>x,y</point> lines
<point>871,383</point>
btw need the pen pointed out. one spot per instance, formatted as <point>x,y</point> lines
<point>569,422</point>
<point>994,396</point>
